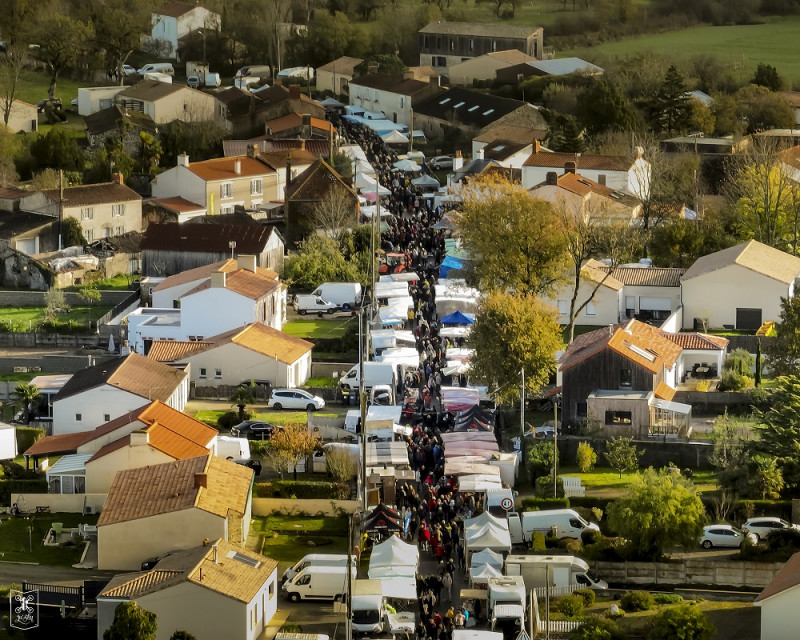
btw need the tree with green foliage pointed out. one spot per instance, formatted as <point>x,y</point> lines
<point>291,444</point>
<point>779,429</point>
<point>200,141</point>
<point>597,628</point>
<point>72,233</point>
<point>57,149</point>
<point>62,40</point>
<point>182,635</point>
<point>763,109</point>
<point>132,622</point>
<point>149,153</point>
<point>604,107</point>
<point>540,459</point>
<point>119,25</point>
<point>783,350</point>
<point>564,134</point>
<point>621,454</point>
<point>241,398</point>
<point>27,396</point>
<point>585,457</point>
<point>758,363</point>
<point>514,240</point>
<point>387,63</point>
<point>683,622</point>
<point>319,260</point>
<point>767,76</point>
<point>739,360</point>
<point>514,333</point>
<point>670,110</point>
<point>659,510</point>
<point>329,37</point>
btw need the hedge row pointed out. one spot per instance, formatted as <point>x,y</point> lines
<point>539,504</point>
<point>303,489</point>
<point>7,487</point>
<point>27,436</point>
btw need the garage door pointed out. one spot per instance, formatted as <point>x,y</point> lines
<point>748,319</point>
<point>655,304</point>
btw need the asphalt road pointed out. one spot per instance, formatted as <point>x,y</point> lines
<point>17,573</point>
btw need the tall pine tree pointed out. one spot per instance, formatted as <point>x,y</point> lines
<point>671,110</point>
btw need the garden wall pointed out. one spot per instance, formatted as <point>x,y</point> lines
<point>59,502</point>
<point>327,369</point>
<point>327,508</point>
<point>701,400</point>
<point>695,571</point>
<point>37,298</point>
<point>657,452</point>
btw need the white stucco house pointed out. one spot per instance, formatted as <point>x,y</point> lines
<point>605,306</point>
<point>255,351</point>
<point>174,20</point>
<point>739,287</point>
<point>395,96</point>
<point>165,507</point>
<point>215,590</point>
<point>247,293</point>
<point>97,395</point>
<point>780,603</point>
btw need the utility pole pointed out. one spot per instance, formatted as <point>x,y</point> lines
<point>555,446</point>
<point>362,396</point>
<point>60,208</point>
<point>522,405</point>
<point>411,132</point>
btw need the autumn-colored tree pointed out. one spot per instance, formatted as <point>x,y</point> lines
<point>290,445</point>
<point>514,240</point>
<point>131,622</point>
<point>514,332</point>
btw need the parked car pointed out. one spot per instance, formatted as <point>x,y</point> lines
<point>252,463</point>
<point>762,527</point>
<point>193,82</point>
<point>295,399</point>
<point>55,103</point>
<point>724,535</point>
<point>254,430</point>
<point>128,70</point>
<point>441,162</point>
<point>152,562</point>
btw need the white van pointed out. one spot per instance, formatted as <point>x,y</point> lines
<point>315,560</point>
<point>565,523</point>
<point>304,304</point>
<point>232,448</point>
<point>346,295</point>
<point>318,583</point>
<point>157,67</point>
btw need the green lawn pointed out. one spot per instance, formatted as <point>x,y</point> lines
<point>325,383</point>
<point>33,87</point>
<point>24,319</point>
<point>286,538</point>
<point>16,540</point>
<point>23,377</point>
<point>774,42</point>
<point>119,282</point>
<point>210,416</point>
<point>311,328</point>
<point>603,482</point>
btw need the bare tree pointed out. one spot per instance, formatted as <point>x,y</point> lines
<point>341,464</point>
<point>335,213</point>
<point>11,65</point>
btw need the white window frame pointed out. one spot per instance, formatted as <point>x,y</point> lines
<point>591,308</point>
<point>202,375</point>
<point>118,210</point>
<point>217,374</point>
<point>226,191</point>
<point>87,213</point>
<point>257,186</point>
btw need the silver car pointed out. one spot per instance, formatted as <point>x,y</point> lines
<point>295,399</point>
<point>763,526</point>
<point>724,535</point>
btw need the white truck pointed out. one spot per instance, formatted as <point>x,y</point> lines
<point>318,583</point>
<point>374,373</point>
<point>500,503</point>
<point>315,560</point>
<point>346,295</point>
<point>558,571</point>
<point>506,598</point>
<point>372,614</point>
<point>232,448</point>
<point>564,523</point>
<point>304,303</point>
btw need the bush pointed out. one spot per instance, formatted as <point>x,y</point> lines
<point>597,628</point>
<point>538,542</point>
<point>732,381</point>
<point>543,488</point>
<point>14,471</point>
<point>587,595</point>
<point>637,601</point>
<point>536,504</point>
<point>667,598</point>
<point>572,546</point>
<point>590,536</point>
<point>606,550</point>
<point>684,622</point>
<point>7,487</point>
<point>230,419</point>
<point>585,457</point>
<point>571,606</point>
<point>303,489</point>
<point>27,436</point>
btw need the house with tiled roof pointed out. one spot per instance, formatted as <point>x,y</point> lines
<point>269,144</point>
<point>23,117</point>
<point>104,210</point>
<point>739,287</point>
<point>247,293</point>
<point>335,75</point>
<point>153,510</point>
<point>508,133</point>
<point>516,73</point>
<point>214,590</point>
<point>117,124</point>
<point>165,102</point>
<point>591,200</point>
<point>779,602</point>
<point>603,288</point>
<point>174,20</point>
<point>171,248</point>
<point>394,95</point>
<point>485,67</point>
<point>219,185</point>
<point>625,377</point>
<point>617,172</point>
<point>96,395</point>
<point>255,351</point>
<point>702,355</point>
<point>243,113</point>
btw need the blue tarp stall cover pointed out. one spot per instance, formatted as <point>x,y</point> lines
<point>457,318</point>
<point>449,263</point>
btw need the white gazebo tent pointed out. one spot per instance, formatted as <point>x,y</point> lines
<point>487,556</point>
<point>393,558</point>
<point>480,573</point>
<point>488,536</point>
<point>394,137</point>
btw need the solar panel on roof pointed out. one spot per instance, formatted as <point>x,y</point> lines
<point>251,562</point>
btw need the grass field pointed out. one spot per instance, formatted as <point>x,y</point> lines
<point>27,318</point>
<point>311,328</point>
<point>603,482</point>
<point>119,282</point>
<point>286,538</point>
<point>210,416</point>
<point>774,42</point>
<point>16,541</point>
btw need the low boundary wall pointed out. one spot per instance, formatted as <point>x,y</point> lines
<point>690,571</point>
<point>311,507</point>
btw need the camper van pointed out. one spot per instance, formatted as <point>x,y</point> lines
<point>564,523</point>
<point>559,571</point>
<point>315,560</point>
<point>157,67</point>
<point>318,583</point>
<point>374,373</point>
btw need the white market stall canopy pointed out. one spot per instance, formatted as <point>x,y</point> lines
<point>387,454</point>
<point>487,556</point>
<point>478,449</point>
<point>406,165</point>
<point>458,467</point>
<point>478,483</point>
<point>455,332</point>
<point>476,634</point>
<point>459,353</point>
<point>479,521</point>
<point>399,353</point>
<point>406,276</point>
<point>357,155</point>
<point>399,587</point>
<point>489,536</point>
<point>480,574</point>
<point>393,558</point>
<point>463,436</point>
<point>391,289</point>
<point>377,414</point>
<point>370,210</point>
<point>394,137</point>
<point>459,398</point>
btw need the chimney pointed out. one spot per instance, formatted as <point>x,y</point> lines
<point>536,146</point>
<point>247,262</point>
<point>183,160</point>
<point>601,179</point>
<point>569,167</point>
<point>611,329</point>
<point>288,169</point>
<point>116,177</point>
<point>479,154</point>
<point>217,279</point>
<point>458,161</point>
<point>215,547</point>
<point>237,166</point>
<point>201,480</point>
<point>139,438</point>
<point>551,178</point>
<point>294,92</point>
<point>252,150</point>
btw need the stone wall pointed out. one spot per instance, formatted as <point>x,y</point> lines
<point>37,298</point>
<point>657,451</point>
<point>692,571</point>
<point>327,508</point>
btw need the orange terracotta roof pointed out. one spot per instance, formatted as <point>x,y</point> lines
<point>664,391</point>
<point>696,341</point>
<point>171,350</point>
<point>64,443</point>
<point>244,282</point>
<point>644,345</point>
<point>292,120</point>
<point>172,486</point>
<point>787,578</point>
<point>177,204</point>
<point>224,169</point>
<point>583,161</point>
